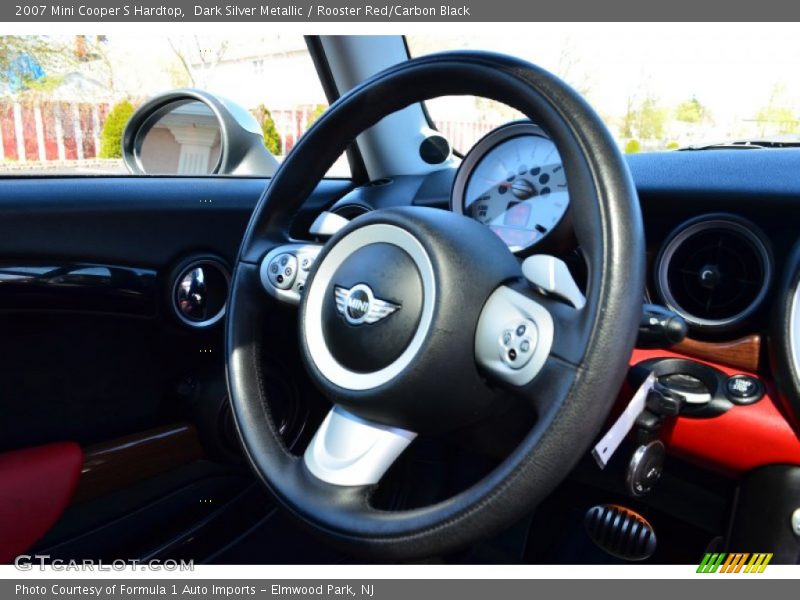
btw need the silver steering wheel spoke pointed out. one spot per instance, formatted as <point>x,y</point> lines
<point>514,336</point>
<point>516,329</point>
<point>284,270</point>
<point>350,451</point>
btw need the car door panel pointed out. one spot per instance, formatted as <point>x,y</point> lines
<point>92,354</point>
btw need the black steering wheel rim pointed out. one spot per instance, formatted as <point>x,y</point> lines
<point>586,377</point>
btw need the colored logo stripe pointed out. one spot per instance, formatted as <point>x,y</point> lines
<point>758,563</point>
<point>734,562</point>
<point>710,562</point>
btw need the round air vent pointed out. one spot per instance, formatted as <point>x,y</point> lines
<point>714,271</point>
<point>200,291</point>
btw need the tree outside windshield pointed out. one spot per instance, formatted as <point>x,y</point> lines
<point>65,100</point>
<point>658,86</point>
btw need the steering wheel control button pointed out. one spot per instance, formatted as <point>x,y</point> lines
<point>284,270</point>
<point>372,307</point>
<point>645,468</point>
<point>744,389</point>
<point>529,335</point>
<point>515,348</point>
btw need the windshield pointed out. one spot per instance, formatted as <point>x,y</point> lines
<point>657,86</point>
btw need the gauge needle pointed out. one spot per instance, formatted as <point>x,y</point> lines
<point>497,183</point>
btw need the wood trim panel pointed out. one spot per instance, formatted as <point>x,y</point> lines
<point>117,464</point>
<point>743,353</point>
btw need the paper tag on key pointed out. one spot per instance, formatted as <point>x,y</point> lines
<point>606,447</point>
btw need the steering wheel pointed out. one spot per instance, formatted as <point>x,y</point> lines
<point>407,317</point>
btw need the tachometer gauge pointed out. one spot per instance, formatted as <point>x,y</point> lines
<point>513,182</point>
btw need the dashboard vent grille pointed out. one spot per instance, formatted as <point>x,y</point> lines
<point>620,531</point>
<point>715,272</point>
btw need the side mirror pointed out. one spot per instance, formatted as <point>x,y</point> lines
<point>191,132</point>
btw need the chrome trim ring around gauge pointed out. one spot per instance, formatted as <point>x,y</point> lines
<point>312,330</point>
<point>479,152</point>
<point>190,271</point>
<point>725,223</point>
<point>481,149</point>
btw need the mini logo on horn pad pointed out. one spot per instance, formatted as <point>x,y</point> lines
<point>358,305</point>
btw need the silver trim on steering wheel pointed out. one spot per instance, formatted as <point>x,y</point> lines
<point>349,450</point>
<point>318,350</point>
